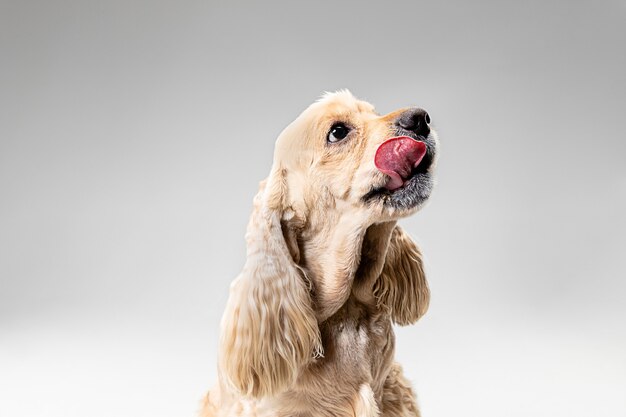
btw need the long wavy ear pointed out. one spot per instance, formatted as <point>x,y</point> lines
<point>402,286</point>
<point>269,329</point>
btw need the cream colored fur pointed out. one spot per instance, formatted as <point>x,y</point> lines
<point>307,330</point>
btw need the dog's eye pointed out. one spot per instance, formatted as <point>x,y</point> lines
<point>338,132</point>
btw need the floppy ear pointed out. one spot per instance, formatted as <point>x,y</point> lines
<point>269,329</point>
<point>402,286</point>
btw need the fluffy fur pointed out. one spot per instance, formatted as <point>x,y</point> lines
<point>307,330</point>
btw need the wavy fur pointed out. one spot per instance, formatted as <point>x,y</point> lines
<point>269,330</point>
<point>402,286</point>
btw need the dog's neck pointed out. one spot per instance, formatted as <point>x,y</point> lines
<point>342,255</point>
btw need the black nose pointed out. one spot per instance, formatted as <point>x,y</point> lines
<point>416,120</point>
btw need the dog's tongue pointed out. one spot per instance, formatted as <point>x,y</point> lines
<point>397,157</point>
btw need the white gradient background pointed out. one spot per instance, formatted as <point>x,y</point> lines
<point>134,133</point>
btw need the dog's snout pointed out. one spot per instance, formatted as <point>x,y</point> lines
<point>416,120</point>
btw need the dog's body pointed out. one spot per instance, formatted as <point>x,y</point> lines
<point>308,327</point>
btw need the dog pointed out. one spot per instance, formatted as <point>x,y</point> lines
<point>308,326</point>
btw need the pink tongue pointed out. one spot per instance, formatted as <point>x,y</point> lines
<point>397,157</point>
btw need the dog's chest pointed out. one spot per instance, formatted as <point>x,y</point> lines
<point>365,341</point>
<point>356,336</point>
<point>358,351</point>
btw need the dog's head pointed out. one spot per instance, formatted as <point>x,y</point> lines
<point>339,154</point>
<point>324,227</point>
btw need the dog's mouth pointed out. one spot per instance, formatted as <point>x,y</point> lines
<point>406,162</point>
<point>398,158</point>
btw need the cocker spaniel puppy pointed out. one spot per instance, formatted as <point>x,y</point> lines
<point>308,328</point>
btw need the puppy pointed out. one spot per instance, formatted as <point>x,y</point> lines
<point>307,329</point>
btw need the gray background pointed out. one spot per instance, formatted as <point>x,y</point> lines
<point>133,136</point>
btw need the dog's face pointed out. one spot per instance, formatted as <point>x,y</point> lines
<point>333,156</point>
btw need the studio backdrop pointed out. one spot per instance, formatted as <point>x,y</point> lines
<point>133,136</point>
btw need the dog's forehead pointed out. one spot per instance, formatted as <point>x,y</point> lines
<point>343,101</point>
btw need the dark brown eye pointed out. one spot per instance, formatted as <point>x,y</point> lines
<point>338,132</point>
